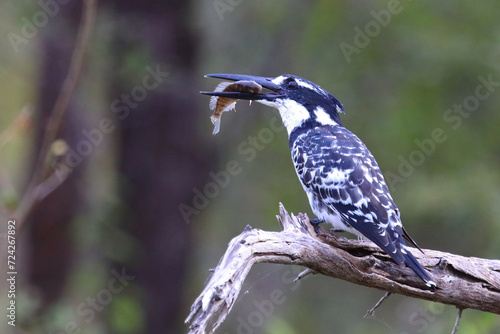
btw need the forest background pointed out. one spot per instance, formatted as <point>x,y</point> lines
<point>145,199</point>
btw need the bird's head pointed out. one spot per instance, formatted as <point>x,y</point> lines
<point>300,102</point>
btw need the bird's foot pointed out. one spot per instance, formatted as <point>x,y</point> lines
<point>315,223</point>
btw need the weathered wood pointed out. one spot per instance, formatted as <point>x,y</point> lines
<point>465,282</point>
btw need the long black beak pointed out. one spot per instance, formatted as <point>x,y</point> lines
<point>275,91</point>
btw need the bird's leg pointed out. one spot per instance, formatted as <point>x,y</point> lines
<point>316,221</point>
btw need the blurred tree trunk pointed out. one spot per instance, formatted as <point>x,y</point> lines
<point>51,249</point>
<point>160,163</point>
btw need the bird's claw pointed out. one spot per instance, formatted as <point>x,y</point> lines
<point>315,223</point>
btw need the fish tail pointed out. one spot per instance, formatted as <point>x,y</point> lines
<point>216,123</point>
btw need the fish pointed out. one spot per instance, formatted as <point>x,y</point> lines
<point>221,104</point>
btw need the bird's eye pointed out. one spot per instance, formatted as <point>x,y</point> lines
<point>292,84</point>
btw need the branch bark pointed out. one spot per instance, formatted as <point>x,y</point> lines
<point>465,282</point>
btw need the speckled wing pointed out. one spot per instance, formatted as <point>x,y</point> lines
<point>337,170</point>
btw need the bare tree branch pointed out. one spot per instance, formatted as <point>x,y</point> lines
<point>457,321</point>
<point>465,282</point>
<point>371,312</point>
<point>34,191</point>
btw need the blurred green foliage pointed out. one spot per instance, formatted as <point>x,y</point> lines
<point>396,90</point>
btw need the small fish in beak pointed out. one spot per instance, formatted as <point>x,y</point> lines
<point>221,104</point>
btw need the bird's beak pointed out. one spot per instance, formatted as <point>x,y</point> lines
<point>274,91</point>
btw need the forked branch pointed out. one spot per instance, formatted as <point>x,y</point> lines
<point>465,282</point>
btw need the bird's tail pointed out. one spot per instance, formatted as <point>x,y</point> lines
<point>412,262</point>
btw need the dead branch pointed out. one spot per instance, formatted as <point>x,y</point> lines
<point>371,312</point>
<point>465,282</point>
<point>457,321</point>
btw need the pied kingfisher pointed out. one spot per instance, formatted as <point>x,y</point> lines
<point>340,176</point>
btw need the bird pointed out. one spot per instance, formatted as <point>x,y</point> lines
<point>343,182</point>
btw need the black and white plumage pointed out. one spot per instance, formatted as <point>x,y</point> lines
<point>340,176</point>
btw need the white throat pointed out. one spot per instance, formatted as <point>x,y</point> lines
<point>292,113</point>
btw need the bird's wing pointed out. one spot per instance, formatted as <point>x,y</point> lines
<point>342,172</point>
